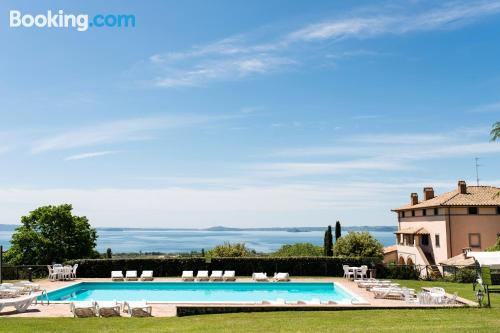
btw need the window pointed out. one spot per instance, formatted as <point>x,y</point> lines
<point>474,240</point>
<point>436,240</point>
<point>472,210</point>
<point>424,212</point>
<point>412,213</point>
<point>436,211</point>
<point>498,210</point>
<point>425,240</point>
<point>402,214</point>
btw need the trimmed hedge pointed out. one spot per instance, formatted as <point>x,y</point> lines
<point>295,266</point>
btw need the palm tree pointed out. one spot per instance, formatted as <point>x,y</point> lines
<point>495,131</point>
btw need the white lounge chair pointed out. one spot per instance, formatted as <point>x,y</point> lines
<point>83,308</point>
<point>28,285</point>
<point>202,276</point>
<point>229,276</point>
<point>278,301</point>
<point>187,276</point>
<point>147,276</point>
<point>216,276</point>
<point>117,276</point>
<point>108,308</point>
<point>9,292</point>
<point>137,308</point>
<point>281,277</point>
<point>131,275</point>
<point>260,277</point>
<point>316,301</point>
<point>391,292</point>
<point>21,304</point>
<point>410,297</point>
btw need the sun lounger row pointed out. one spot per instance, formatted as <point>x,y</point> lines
<point>278,277</point>
<point>200,276</point>
<point>368,284</point>
<point>204,276</point>
<point>110,308</point>
<point>10,290</point>
<point>131,276</point>
<point>314,301</point>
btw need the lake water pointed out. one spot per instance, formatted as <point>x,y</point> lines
<point>134,240</point>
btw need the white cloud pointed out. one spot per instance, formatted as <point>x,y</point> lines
<point>235,57</point>
<point>216,70</point>
<point>185,207</point>
<point>402,146</point>
<point>302,169</point>
<point>119,131</point>
<point>89,155</point>
<point>493,107</point>
<point>448,15</point>
<point>4,149</point>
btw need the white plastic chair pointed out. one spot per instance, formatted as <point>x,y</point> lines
<point>73,272</point>
<point>362,274</point>
<point>347,272</point>
<point>52,274</point>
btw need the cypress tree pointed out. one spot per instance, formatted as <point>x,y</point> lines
<point>338,231</point>
<point>328,242</point>
<point>109,254</point>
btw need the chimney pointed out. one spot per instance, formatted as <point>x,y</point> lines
<point>462,187</point>
<point>414,199</point>
<point>428,193</point>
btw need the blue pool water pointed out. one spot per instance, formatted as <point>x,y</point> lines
<point>206,292</point>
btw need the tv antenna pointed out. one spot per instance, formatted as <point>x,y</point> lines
<point>477,170</point>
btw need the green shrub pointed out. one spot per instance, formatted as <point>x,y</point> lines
<point>299,250</point>
<point>400,272</point>
<point>358,244</point>
<point>462,275</point>
<point>231,250</point>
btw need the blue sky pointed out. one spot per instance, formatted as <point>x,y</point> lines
<point>256,113</point>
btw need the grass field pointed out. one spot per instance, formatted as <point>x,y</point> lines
<point>441,320</point>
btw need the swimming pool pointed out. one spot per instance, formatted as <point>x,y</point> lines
<point>202,292</point>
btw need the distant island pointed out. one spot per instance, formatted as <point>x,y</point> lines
<point>12,227</point>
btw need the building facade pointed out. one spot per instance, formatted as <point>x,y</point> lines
<point>437,228</point>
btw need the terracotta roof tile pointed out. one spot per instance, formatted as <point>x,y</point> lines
<point>475,196</point>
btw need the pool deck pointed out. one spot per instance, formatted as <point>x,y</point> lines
<point>171,310</point>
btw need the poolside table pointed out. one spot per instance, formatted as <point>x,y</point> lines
<point>355,270</point>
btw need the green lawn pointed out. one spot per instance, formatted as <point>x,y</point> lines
<point>442,320</point>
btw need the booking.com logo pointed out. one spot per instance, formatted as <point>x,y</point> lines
<point>80,22</point>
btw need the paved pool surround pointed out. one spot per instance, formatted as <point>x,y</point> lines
<point>171,310</point>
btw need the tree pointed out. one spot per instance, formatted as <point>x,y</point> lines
<point>109,254</point>
<point>338,231</point>
<point>358,244</point>
<point>299,250</point>
<point>495,131</point>
<point>495,247</point>
<point>328,242</point>
<point>231,250</point>
<point>52,233</point>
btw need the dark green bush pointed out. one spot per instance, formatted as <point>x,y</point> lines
<point>462,275</point>
<point>402,272</point>
<point>296,266</point>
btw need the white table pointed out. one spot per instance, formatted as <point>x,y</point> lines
<point>354,270</point>
<point>60,272</point>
